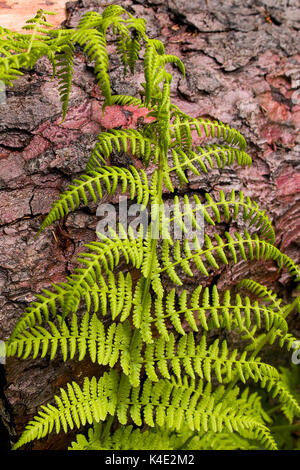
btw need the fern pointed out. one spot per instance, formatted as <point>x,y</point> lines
<point>159,358</point>
<point>124,438</point>
<point>173,378</point>
<point>93,184</point>
<point>64,70</point>
<point>22,50</point>
<point>166,403</point>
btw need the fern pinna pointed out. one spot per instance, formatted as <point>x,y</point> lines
<point>164,380</point>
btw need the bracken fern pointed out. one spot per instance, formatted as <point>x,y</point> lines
<point>164,382</point>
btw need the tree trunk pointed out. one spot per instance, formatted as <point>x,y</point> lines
<point>243,68</point>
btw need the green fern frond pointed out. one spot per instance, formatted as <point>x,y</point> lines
<point>112,16</point>
<point>204,158</point>
<point>88,336</point>
<point>183,125</point>
<point>22,50</point>
<point>221,441</point>
<point>40,310</point>
<point>290,380</point>
<point>125,100</point>
<point>91,35</point>
<point>133,47</point>
<point>248,248</point>
<point>64,71</point>
<point>90,20</point>
<point>170,381</point>
<point>87,283</point>
<point>111,296</point>
<point>286,339</point>
<point>11,64</point>
<point>91,185</point>
<point>262,292</point>
<point>170,58</point>
<point>37,27</point>
<point>197,359</point>
<point>164,354</point>
<point>124,438</point>
<point>165,403</point>
<point>130,36</point>
<point>207,309</point>
<point>152,64</point>
<point>104,256</point>
<point>216,210</point>
<point>281,390</point>
<point>94,46</point>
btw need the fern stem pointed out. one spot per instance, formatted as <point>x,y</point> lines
<point>286,427</point>
<point>160,173</point>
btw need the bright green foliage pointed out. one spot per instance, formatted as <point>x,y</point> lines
<point>173,379</point>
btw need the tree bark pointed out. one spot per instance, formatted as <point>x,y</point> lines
<point>243,68</point>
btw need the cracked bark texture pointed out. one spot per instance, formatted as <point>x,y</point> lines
<point>243,68</point>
